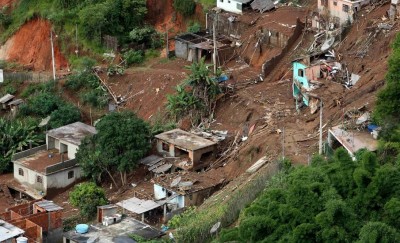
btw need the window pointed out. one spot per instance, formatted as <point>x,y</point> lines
<point>165,147</point>
<point>301,73</point>
<point>70,174</point>
<point>39,179</point>
<point>229,1</point>
<point>20,172</point>
<point>221,1</point>
<point>334,3</point>
<point>345,8</point>
<point>324,3</point>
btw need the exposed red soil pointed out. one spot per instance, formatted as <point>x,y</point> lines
<point>4,3</point>
<point>31,47</point>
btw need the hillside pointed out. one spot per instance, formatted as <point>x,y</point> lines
<point>256,107</point>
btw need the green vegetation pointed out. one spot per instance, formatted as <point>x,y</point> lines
<point>87,196</point>
<point>335,200</point>
<point>88,86</point>
<point>185,7</point>
<point>16,135</point>
<point>122,139</point>
<point>194,27</point>
<point>223,207</point>
<point>196,97</point>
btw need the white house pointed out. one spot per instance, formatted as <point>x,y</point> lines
<point>234,6</point>
<point>49,168</point>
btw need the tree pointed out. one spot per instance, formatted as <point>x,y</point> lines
<point>15,136</point>
<point>87,196</point>
<point>374,232</point>
<point>64,115</point>
<point>185,7</point>
<point>122,139</point>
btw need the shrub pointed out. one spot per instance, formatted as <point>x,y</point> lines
<point>96,97</point>
<point>10,89</point>
<point>133,57</point>
<point>185,7</point>
<point>194,27</point>
<point>64,115</point>
<point>87,196</point>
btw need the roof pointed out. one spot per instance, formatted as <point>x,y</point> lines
<point>16,102</point>
<point>150,160</point>
<point>6,98</point>
<point>185,140</point>
<point>137,205</point>
<point>262,5</point>
<point>40,160</point>
<point>49,206</point>
<point>243,1</point>
<point>354,140</point>
<point>187,182</point>
<point>115,232</point>
<point>9,231</point>
<point>73,133</point>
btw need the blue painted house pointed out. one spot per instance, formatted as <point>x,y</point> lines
<point>300,81</point>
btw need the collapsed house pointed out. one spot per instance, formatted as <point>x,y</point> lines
<point>111,227</point>
<point>238,6</point>
<point>352,140</point>
<point>314,71</point>
<point>189,151</point>
<point>36,221</point>
<point>48,168</point>
<point>195,46</point>
<point>5,100</point>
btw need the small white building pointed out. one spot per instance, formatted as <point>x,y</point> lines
<point>234,6</point>
<point>49,168</point>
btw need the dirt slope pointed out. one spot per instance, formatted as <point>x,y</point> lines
<point>4,3</point>
<point>30,46</point>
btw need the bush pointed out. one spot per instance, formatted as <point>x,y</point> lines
<point>87,196</point>
<point>41,105</point>
<point>10,89</point>
<point>84,79</point>
<point>64,115</point>
<point>133,57</point>
<point>194,27</point>
<point>185,7</point>
<point>96,97</point>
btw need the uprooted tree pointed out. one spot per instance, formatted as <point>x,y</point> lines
<point>122,139</point>
<point>197,96</point>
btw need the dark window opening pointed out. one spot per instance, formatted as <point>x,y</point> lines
<point>181,153</point>
<point>301,73</point>
<point>345,8</point>
<point>70,174</point>
<point>20,172</point>
<point>335,3</point>
<point>165,147</point>
<point>39,179</point>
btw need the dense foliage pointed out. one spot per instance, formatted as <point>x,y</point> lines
<point>16,135</point>
<point>87,196</point>
<point>185,7</point>
<point>122,139</point>
<point>197,95</point>
<point>337,200</point>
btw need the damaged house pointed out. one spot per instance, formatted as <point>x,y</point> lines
<point>237,6</point>
<point>191,152</point>
<point>339,12</point>
<point>52,167</point>
<point>194,46</point>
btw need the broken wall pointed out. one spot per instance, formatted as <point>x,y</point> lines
<point>269,65</point>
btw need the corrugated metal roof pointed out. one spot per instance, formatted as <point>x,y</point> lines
<point>137,205</point>
<point>48,205</point>
<point>262,5</point>
<point>9,231</point>
<point>6,98</point>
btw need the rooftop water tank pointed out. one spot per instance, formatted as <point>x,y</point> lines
<point>82,228</point>
<point>22,240</point>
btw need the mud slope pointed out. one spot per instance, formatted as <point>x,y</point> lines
<point>30,46</point>
<point>4,3</point>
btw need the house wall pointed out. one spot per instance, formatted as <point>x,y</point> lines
<point>29,178</point>
<point>59,180</point>
<point>159,192</point>
<point>181,49</point>
<point>335,8</point>
<point>230,6</point>
<point>299,80</point>
<point>313,72</point>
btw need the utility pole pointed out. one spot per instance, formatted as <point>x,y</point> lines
<point>76,40</point>
<point>215,46</point>
<point>320,128</point>
<point>283,143</point>
<point>52,55</point>
<point>167,48</point>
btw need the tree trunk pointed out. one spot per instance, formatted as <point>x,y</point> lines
<point>112,178</point>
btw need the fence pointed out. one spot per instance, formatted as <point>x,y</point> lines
<point>27,77</point>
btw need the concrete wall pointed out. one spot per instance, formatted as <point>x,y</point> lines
<point>159,192</point>
<point>59,180</point>
<point>181,49</point>
<point>335,8</point>
<point>29,178</point>
<point>230,6</point>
